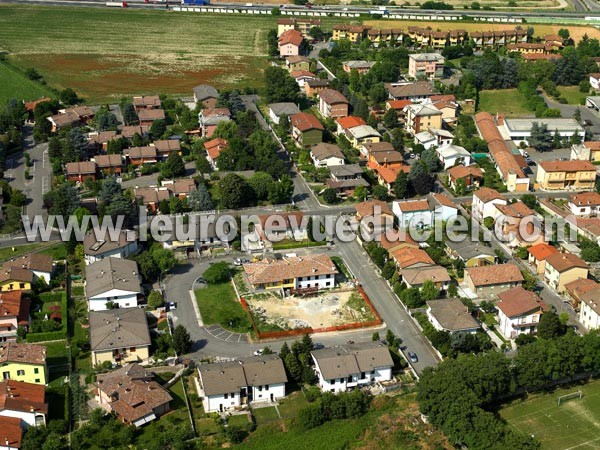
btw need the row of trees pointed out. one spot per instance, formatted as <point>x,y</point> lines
<point>456,394</point>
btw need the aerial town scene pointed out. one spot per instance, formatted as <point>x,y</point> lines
<point>310,224</point>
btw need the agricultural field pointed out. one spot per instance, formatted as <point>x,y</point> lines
<point>573,424</point>
<point>107,53</point>
<point>510,102</point>
<point>16,85</point>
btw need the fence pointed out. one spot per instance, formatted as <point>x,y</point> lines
<point>310,330</point>
<point>53,335</point>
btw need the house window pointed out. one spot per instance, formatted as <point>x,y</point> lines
<point>226,396</point>
<point>20,373</point>
<point>132,349</point>
<point>37,380</point>
<point>36,370</point>
<point>22,285</point>
<point>260,388</point>
<point>266,387</point>
<point>6,375</point>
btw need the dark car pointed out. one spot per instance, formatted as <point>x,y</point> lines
<point>317,346</point>
<point>413,357</point>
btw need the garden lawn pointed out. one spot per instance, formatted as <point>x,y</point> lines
<point>575,423</point>
<point>219,305</point>
<point>509,102</point>
<point>16,85</point>
<point>265,415</point>
<point>56,353</point>
<point>572,94</point>
<point>290,406</point>
<point>45,247</point>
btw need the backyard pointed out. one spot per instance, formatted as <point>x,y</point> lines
<point>219,305</point>
<point>572,94</point>
<point>573,424</point>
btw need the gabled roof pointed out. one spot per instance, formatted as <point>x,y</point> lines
<point>205,91</point>
<point>145,101</point>
<point>567,166</point>
<point>517,209</point>
<point>332,97</point>
<point>151,114</point>
<point>413,205</point>
<point>118,328</point>
<point>293,37</point>
<point>81,168</point>
<point>350,122</point>
<point>585,199</point>
<point>410,90</point>
<point>580,288</point>
<point>486,195</point>
<point>112,273</point>
<point>107,161</point>
<point>167,145</point>
<point>366,209</point>
<point>460,171</point>
<point>297,74</point>
<point>284,108</point>
<point>11,434</point>
<point>94,246</point>
<point>273,271</point>
<point>150,195</point>
<point>466,249</point>
<point>407,257</point>
<point>12,352</point>
<point>363,131</point>
<point>304,122</point>
<point>142,152</point>
<point>13,305</point>
<point>350,359</point>
<point>214,147</point>
<point>38,262</point>
<point>565,261</point>
<point>418,275</point>
<point>541,251</point>
<point>21,396</point>
<point>324,150</point>
<point>519,302</point>
<point>452,315</point>
<point>491,275</point>
<point>423,110</point>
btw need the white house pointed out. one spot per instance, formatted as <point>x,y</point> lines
<point>24,401</point>
<point>236,384</point>
<point>325,155</point>
<point>279,110</point>
<point>450,155</point>
<point>584,204</point>
<point>112,280</point>
<point>40,265</point>
<point>452,316</point>
<point>595,81</point>
<point>484,203</point>
<point>433,137</point>
<point>589,309</point>
<point>97,249</point>
<point>519,312</point>
<point>352,365</point>
<point>424,212</point>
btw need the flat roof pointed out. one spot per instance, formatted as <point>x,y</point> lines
<point>560,124</point>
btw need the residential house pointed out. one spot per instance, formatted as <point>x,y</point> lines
<point>422,116</point>
<point>463,177</point>
<point>72,117</point>
<point>352,33</point>
<point>14,313</point>
<point>214,148</point>
<point>151,197</point>
<point>417,276</point>
<point>537,255</point>
<point>416,91</point>
<point>562,268</point>
<point>129,131</point>
<point>519,312</point>
<point>306,129</point>
<point>109,164</point>
<point>179,188</point>
<point>139,156</point>
<point>451,155</point>
<point>449,111</point>
<point>165,147</point>
<point>553,42</point>
<point>294,273</point>
<point>132,394</point>
<point>367,149</point>
<point>344,124</point>
<point>146,102</point>
<point>279,110</point>
<point>12,434</point>
<point>424,212</point>
<point>332,104</point>
<point>589,309</point>
<point>360,66</point>
<point>352,366</point>
<point>519,130</point>
<point>119,336</point>
<point>301,24</point>
<point>23,362</point>
<point>236,384</point>
<point>112,280</point>
<point>289,43</point>
<point>433,137</point>
<point>388,174</point>
<point>452,316</point>
<point>209,119</point>
<point>472,254</point>
<point>595,81</point>
<point>563,175</point>
<point>276,227</point>
<point>375,217</point>
<point>207,95</point>
<point>412,258</point>
<point>489,281</point>
<point>97,248</point>
<point>363,134</point>
<point>326,155</point>
<point>426,65</point>
<point>100,139</point>
<point>511,215</point>
<point>80,171</point>
<point>344,179</point>
<point>394,239</point>
<point>301,77</point>
<point>586,151</point>
<point>581,289</point>
<point>484,203</point>
<point>39,265</point>
<point>148,116</point>
<point>15,279</point>
<point>584,204</point>
<point>313,87</point>
<point>296,63</point>
<point>23,401</point>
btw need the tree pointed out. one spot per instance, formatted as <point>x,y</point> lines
<point>429,157</point>
<point>420,180</point>
<point>217,273</point>
<point>281,191</point>
<point>380,193</point>
<point>390,118</point>
<point>106,120</point>
<point>429,291</point>
<point>129,113</point>
<point>280,86</point>
<point>377,93</point>
<point>550,326</point>
<point>199,199</point>
<point>62,201</point>
<point>361,192</point>
<point>316,33</point>
<point>272,42</point>
<point>158,128</point>
<point>330,196</point>
<point>173,167</point>
<point>401,185</point>
<point>235,192</point>
<point>529,199</point>
<point>155,300</point>
<point>110,188</point>
<point>68,97</point>
<point>182,342</point>
<point>226,130</point>
<point>260,183</point>
<point>564,33</point>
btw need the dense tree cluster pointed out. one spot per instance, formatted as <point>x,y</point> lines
<point>297,360</point>
<point>155,261</point>
<point>328,406</point>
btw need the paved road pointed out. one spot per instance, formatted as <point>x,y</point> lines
<point>569,111</point>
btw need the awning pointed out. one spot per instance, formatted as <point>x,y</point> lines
<point>144,420</point>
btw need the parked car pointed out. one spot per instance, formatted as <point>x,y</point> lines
<point>201,280</point>
<point>237,262</point>
<point>317,346</point>
<point>413,357</point>
<point>259,352</point>
<point>172,306</point>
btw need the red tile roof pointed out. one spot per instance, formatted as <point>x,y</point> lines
<point>567,166</point>
<point>21,396</point>
<point>414,205</point>
<point>518,302</point>
<point>566,261</point>
<point>541,251</point>
<point>366,209</point>
<point>407,257</point>
<point>350,122</point>
<point>399,104</point>
<point>293,37</point>
<point>10,432</point>
<point>498,274</point>
<point>585,199</point>
<point>214,147</point>
<point>304,122</point>
<point>460,171</point>
<point>486,194</point>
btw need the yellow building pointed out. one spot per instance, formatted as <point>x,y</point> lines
<point>119,336</point>
<point>561,175</point>
<point>15,279</point>
<point>421,117</point>
<point>353,33</point>
<point>563,268</point>
<point>23,362</point>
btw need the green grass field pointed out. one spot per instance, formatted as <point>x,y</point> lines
<point>509,102</point>
<point>16,85</point>
<point>575,423</point>
<point>572,94</point>
<point>219,304</point>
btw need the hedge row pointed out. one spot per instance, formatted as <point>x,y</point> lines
<point>53,335</point>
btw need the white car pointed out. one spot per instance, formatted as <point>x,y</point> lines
<point>259,352</point>
<point>172,306</point>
